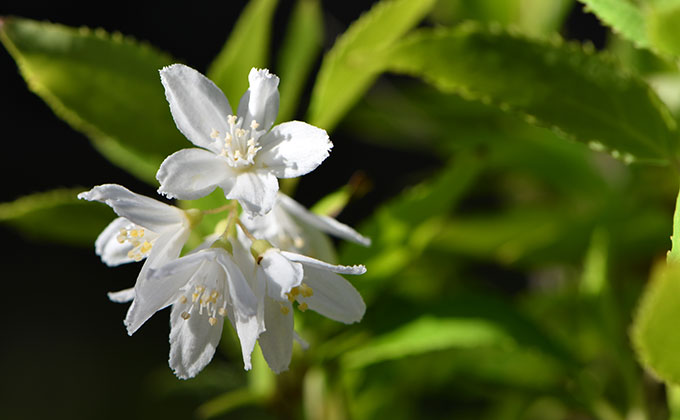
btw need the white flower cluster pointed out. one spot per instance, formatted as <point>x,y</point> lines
<point>255,270</point>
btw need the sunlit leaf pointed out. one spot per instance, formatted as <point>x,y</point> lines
<point>623,16</point>
<point>655,342</point>
<point>579,94</point>
<point>104,85</point>
<point>299,50</point>
<point>352,65</point>
<point>662,26</point>
<point>247,47</point>
<point>57,216</point>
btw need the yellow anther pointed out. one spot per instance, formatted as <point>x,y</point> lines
<point>183,299</point>
<point>222,311</point>
<point>194,297</point>
<point>121,238</point>
<point>306,291</point>
<point>294,291</point>
<point>284,309</point>
<point>185,315</point>
<point>138,257</point>
<point>303,306</point>
<point>254,124</point>
<point>240,132</point>
<point>212,320</point>
<point>231,119</point>
<point>134,233</point>
<point>200,289</point>
<point>146,247</point>
<point>214,134</point>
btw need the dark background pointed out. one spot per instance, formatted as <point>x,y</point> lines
<point>64,352</point>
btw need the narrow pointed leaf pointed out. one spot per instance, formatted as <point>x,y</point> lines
<point>57,216</point>
<point>352,65</point>
<point>300,48</point>
<point>247,47</point>
<point>579,94</point>
<point>104,85</point>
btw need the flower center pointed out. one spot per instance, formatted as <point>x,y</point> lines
<point>239,145</point>
<point>141,243</point>
<point>205,300</point>
<point>298,294</point>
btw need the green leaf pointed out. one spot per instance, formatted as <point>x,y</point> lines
<point>624,17</point>
<point>351,66</point>
<point>247,47</point>
<point>299,51</point>
<point>654,327</point>
<point>106,86</point>
<point>57,216</point>
<point>662,27</point>
<point>580,94</point>
<point>403,227</point>
<point>427,334</point>
<point>674,254</point>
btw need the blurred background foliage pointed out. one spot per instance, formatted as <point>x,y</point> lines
<point>514,161</point>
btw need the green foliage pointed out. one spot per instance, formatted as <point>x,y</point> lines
<point>580,94</point>
<point>247,47</point>
<point>424,335</point>
<point>354,62</point>
<point>300,48</point>
<point>57,216</point>
<point>662,24</point>
<point>104,85</point>
<point>657,317</point>
<point>624,17</point>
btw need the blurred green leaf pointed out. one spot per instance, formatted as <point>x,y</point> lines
<point>655,342</point>
<point>247,47</point>
<point>674,254</point>
<point>351,66</point>
<point>662,27</point>
<point>402,228</point>
<point>300,48</point>
<point>530,16</point>
<point>623,17</point>
<point>104,85</point>
<point>579,94</point>
<point>427,334</point>
<point>57,216</point>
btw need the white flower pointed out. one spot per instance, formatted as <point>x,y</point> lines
<point>286,277</point>
<point>291,227</point>
<point>204,288</point>
<point>239,153</point>
<point>147,229</point>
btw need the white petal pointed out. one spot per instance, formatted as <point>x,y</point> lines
<point>198,106</point>
<point>333,296</point>
<point>293,149</point>
<point>242,297</point>
<point>122,296</point>
<point>323,223</point>
<point>140,210</point>
<point>255,190</point>
<point>281,273</point>
<point>248,330</point>
<point>156,289</point>
<point>192,173</point>
<point>277,341</point>
<point>111,251</point>
<point>192,342</point>
<point>261,100</point>
<point>312,262</point>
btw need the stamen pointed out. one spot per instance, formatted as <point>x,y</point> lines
<point>222,311</point>
<point>185,315</point>
<point>303,306</point>
<point>183,299</point>
<point>254,124</point>
<point>232,119</point>
<point>214,134</point>
<point>212,321</point>
<point>306,291</point>
<point>284,309</point>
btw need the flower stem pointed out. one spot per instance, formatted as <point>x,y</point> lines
<point>229,206</point>
<point>245,231</point>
